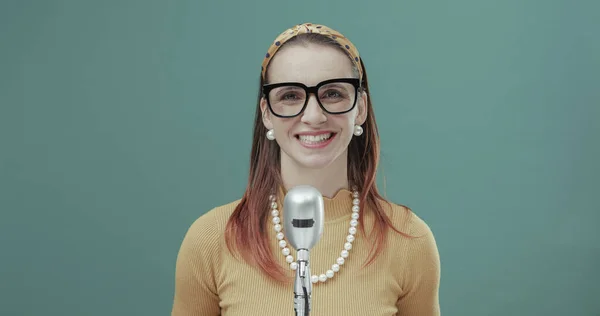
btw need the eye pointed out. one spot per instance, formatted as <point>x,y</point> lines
<point>332,94</point>
<point>290,96</point>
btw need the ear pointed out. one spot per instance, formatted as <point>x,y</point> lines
<point>266,114</point>
<point>361,116</point>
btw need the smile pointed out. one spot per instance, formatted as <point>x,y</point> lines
<point>316,141</point>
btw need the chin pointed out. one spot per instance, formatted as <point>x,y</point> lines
<point>313,162</point>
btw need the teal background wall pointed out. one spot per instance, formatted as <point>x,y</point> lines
<point>121,122</point>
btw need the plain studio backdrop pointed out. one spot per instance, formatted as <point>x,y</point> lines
<point>121,122</point>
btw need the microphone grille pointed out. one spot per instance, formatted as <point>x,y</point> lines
<point>303,222</point>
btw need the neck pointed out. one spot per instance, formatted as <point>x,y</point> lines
<point>328,180</point>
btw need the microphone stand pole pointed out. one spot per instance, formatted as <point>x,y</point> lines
<point>302,284</point>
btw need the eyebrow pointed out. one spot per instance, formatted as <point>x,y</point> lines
<point>283,89</point>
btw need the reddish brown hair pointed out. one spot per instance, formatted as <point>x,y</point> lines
<point>246,231</point>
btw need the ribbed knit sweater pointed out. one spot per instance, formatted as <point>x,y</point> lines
<point>403,280</point>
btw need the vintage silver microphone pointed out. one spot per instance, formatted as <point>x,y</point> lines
<point>303,214</point>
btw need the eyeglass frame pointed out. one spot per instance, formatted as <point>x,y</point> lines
<point>356,82</point>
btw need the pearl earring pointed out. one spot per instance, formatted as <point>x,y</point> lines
<point>270,135</point>
<point>358,130</point>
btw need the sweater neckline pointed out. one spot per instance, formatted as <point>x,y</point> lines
<point>336,207</point>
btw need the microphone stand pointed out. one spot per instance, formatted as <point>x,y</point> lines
<point>302,284</point>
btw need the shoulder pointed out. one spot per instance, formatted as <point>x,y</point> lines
<point>417,265</point>
<point>199,260</point>
<point>217,216</point>
<point>415,237</point>
<point>205,235</point>
<point>213,221</point>
<point>405,219</point>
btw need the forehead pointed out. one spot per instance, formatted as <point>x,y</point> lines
<point>309,64</point>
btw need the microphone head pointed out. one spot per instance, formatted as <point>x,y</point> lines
<point>303,216</point>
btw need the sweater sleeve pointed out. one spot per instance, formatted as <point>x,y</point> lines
<point>196,270</point>
<point>421,295</point>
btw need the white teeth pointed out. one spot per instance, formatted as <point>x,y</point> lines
<point>309,139</point>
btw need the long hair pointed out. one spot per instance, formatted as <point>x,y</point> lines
<point>246,231</point>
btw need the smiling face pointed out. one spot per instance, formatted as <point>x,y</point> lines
<point>314,139</point>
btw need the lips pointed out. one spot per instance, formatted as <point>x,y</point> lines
<point>315,140</point>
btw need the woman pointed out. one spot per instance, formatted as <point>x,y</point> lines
<point>314,125</point>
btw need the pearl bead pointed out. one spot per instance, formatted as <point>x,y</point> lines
<point>289,259</point>
<point>329,273</point>
<point>355,208</point>
<point>355,202</point>
<point>280,236</point>
<point>353,222</point>
<point>276,220</point>
<point>294,265</point>
<point>282,243</point>
<point>344,253</point>
<point>348,246</point>
<point>355,194</point>
<point>272,198</point>
<point>354,215</point>
<point>335,267</point>
<point>352,230</point>
<point>322,278</point>
<point>340,261</point>
<point>285,251</point>
<point>350,238</point>
<point>314,279</point>
<point>274,213</point>
<point>277,227</point>
<point>274,205</point>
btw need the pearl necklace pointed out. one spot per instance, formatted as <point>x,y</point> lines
<point>343,254</point>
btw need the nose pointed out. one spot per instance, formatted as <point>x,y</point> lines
<point>313,114</point>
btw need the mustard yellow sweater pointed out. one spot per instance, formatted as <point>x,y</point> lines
<point>404,279</point>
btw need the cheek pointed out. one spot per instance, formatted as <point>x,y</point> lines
<point>346,123</point>
<point>282,127</point>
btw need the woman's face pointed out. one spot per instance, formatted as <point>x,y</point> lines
<point>314,139</point>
